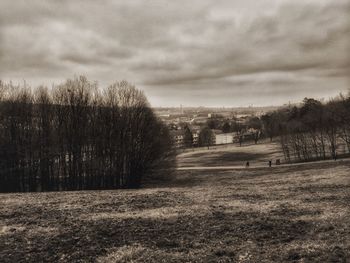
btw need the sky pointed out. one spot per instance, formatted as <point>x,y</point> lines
<point>194,53</point>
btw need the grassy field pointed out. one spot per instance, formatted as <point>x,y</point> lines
<point>231,155</point>
<point>284,214</point>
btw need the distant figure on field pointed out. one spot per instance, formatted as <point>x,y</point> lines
<point>278,162</point>
<point>270,163</point>
<point>247,165</point>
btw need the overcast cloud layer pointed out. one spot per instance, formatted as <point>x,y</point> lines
<point>198,52</point>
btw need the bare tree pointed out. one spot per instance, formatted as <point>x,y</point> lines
<point>188,137</point>
<point>77,136</point>
<point>313,130</point>
<point>206,137</point>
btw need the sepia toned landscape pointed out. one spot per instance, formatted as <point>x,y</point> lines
<point>175,131</point>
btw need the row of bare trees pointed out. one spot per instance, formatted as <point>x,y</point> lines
<point>311,131</point>
<point>78,136</point>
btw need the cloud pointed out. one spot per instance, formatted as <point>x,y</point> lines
<point>203,48</point>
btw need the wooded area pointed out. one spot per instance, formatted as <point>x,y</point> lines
<point>79,136</point>
<point>311,131</point>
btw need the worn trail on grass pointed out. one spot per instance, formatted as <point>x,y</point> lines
<point>253,166</point>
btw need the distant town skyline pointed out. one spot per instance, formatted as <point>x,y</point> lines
<point>190,53</point>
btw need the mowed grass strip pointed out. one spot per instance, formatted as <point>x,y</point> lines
<point>285,214</point>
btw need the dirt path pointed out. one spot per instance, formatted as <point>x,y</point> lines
<point>239,167</point>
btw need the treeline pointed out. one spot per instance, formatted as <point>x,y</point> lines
<point>311,131</point>
<point>78,136</point>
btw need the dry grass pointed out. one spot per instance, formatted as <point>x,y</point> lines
<point>285,214</point>
<point>231,155</point>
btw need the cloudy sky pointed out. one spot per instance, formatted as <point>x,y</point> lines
<point>197,52</point>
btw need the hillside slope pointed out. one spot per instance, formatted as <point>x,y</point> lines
<point>250,215</point>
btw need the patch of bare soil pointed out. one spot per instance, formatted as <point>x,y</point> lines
<point>296,214</point>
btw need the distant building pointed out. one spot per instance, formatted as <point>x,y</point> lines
<point>178,138</point>
<point>223,138</point>
<point>195,133</point>
<point>195,138</point>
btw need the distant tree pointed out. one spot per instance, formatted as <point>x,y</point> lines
<point>239,129</point>
<point>341,109</point>
<point>255,124</point>
<point>214,122</point>
<point>331,127</point>
<point>206,137</point>
<point>270,125</point>
<point>188,137</point>
<point>226,128</point>
<point>311,115</point>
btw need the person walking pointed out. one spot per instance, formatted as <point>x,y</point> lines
<point>270,163</point>
<point>247,165</point>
